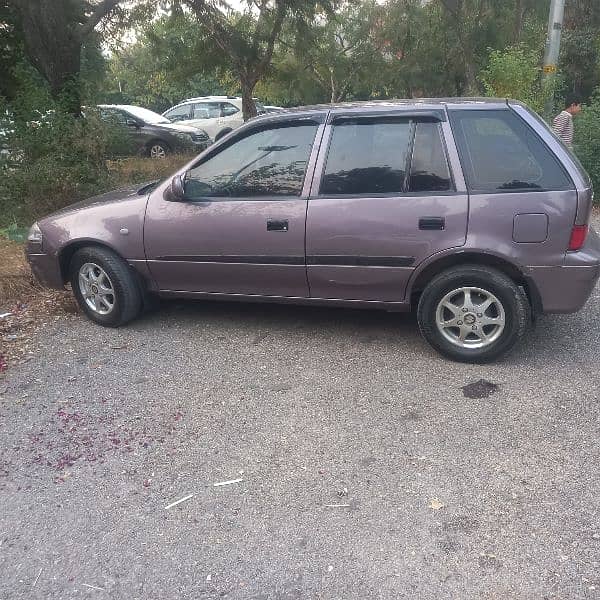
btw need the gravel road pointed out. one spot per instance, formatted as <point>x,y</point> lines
<point>368,470</point>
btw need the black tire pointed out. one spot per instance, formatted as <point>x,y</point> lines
<point>517,312</point>
<point>222,133</point>
<point>157,149</point>
<point>127,297</point>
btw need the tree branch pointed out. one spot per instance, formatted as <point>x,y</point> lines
<point>101,10</point>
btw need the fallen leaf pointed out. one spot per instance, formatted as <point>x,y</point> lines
<point>435,504</point>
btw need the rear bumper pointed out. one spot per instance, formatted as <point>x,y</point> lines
<point>46,270</point>
<point>566,288</point>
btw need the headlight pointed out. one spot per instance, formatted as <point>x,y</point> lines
<point>35,234</point>
<point>200,137</point>
<point>184,137</point>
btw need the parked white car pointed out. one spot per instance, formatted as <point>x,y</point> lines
<point>217,115</point>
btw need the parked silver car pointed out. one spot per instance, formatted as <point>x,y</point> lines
<point>217,115</point>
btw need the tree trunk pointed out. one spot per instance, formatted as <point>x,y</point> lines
<point>518,24</point>
<point>54,48</point>
<point>248,106</point>
<point>53,33</point>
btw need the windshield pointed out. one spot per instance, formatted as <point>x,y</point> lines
<point>146,115</point>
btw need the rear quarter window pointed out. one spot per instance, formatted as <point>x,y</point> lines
<point>499,152</point>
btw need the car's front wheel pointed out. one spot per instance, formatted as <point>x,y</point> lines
<point>158,149</point>
<point>104,286</point>
<point>473,313</point>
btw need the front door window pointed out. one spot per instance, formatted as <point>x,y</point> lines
<point>269,162</point>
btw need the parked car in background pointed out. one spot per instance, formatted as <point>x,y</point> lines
<point>217,115</point>
<point>153,135</point>
<point>470,211</point>
<point>273,109</point>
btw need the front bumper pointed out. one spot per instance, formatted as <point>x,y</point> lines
<point>566,288</point>
<point>46,269</point>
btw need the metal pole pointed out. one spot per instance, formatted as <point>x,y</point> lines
<point>555,23</point>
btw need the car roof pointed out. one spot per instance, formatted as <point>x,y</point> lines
<point>401,103</point>
<point>387,105</point>
<point>188,100</point>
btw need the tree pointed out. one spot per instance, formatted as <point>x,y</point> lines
<point>248,37</point>
<point>11,50</point>
<point>54,32</point>
<point>337,50</point>
<point>173,58</point>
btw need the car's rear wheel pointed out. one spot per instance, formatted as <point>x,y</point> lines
<point>473,313</point>
<point>158,149</point>
<point>104,286</point>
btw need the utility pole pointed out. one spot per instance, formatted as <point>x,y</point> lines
<point>555,23</point>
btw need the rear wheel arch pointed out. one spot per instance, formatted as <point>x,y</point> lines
<point>425,275</point>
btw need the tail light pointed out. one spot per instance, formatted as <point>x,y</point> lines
<point>578,235</point>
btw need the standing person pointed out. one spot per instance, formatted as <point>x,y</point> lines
<point>563,123</point>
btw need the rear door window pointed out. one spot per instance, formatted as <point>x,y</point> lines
<point>228,109</point>
<point>206,110</point>
<point>367,157</point>
<point>500,153</point>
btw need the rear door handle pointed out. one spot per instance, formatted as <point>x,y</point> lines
<point>432,223</point>
<point>277,225</point>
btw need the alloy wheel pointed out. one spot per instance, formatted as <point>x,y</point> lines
<point>96,288</point>
<point>470,317</point>
<point>157,151</point>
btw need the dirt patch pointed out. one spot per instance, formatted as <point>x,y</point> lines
<point>24,305</point>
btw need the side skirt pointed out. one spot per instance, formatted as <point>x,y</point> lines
<point>362,304</point>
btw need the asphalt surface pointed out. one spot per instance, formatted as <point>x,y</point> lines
<point>367,470</point>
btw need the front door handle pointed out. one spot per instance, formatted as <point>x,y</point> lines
<point>430,223</point>
<point>277,225</point>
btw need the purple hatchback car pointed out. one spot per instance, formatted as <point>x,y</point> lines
<point>470,210</point>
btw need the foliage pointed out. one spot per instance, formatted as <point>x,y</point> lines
<point>516,73</point>
<point>587,138</point>
<point>55,159</point>
<point>337,52</point>
<point>172,59</point>
<point>247,37</point>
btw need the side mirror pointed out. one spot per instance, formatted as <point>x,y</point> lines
<point>175,191</point>
<point>132,123</point>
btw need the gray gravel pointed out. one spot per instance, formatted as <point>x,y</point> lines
<point>103,429</point>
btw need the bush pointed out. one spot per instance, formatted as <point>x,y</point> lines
<point>54,160</point>
<point>515,73</point>
<point>587,139</point>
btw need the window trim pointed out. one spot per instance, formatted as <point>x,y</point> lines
<point>413,119</point>
<point>474,191</point>
<point>279,124</point>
